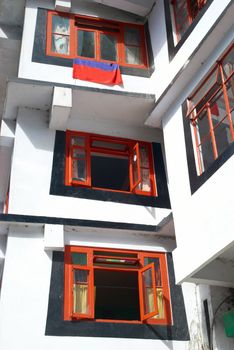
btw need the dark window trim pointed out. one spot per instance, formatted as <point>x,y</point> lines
<point>172,48</point>
<point>39,50</point>
<point>32,219</point>
<point>58,187</point>
<point>56,326</point>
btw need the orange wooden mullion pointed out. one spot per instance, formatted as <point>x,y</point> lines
<point>166,290</point>
<point>212,134</point>
<point>68,303</point>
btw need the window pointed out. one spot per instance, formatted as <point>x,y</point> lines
<point>116,285</point>
<point>183,14</point>
<point>211,112</point>
<point>109,163</point>
<point>71,36</point>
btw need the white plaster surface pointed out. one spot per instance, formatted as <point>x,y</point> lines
<point>26,283</point>
<point>54,237</point>
<point>31,177</point>
<point>204,221</point>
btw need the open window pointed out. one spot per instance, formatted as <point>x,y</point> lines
<point>109,163</point>
<point>73,36</point>
<point>211,113</point>
<point>112,285</point>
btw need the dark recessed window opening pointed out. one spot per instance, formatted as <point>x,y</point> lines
<point>116,295</point>
<point>111,172</point>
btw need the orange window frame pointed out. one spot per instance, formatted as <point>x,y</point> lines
<point>128,152</point>
<point>119,28</point>
<point>194,115</point>
<point>68,285</point>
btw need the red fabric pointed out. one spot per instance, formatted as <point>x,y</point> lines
<point>215,109</point>
<point>97,75</point>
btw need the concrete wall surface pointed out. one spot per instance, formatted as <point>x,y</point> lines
<point>31,179</point>
<point>203,220</point>
<point>25,289</point>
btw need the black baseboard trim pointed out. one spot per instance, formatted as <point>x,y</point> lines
<point>31,219</point>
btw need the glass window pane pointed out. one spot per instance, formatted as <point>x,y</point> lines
<point>60,25</point>
<point>179,3</point>
<point>79,169</point>
<point>60,44</point>
<point>108,47</point>
<point>228,64</point>
<point>230,91</point>
<point>86,44</point>
<point>156,262</point>
<point>182,16</point>
<point>107,253</point>
<point>78,141</point>
<point>220,121</point>
<point>148,293</point>
<point>206,152</point>
<point>78,153</point>
<point>145,181</point>
<point>132,36</point>
<point>109,145</point>
<point>194,8</point>
<point>79,258</point>
<point>133,55</point>
<point>222,136</point>
<point>160,303</point>
<point>80,292</point>
<point>203,125</point>
<point>144,157</point>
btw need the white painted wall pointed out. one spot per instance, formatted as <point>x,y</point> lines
<point>117,239</point>
<point>9,58</point>
<point>31,176</point>
<point>204,221</point>
<point>25,292</point>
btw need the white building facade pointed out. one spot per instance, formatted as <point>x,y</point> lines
<point>116,220</point>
